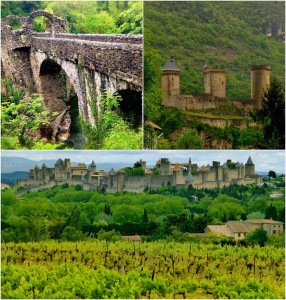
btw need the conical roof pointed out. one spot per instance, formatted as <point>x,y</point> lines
<point>92,165</point>
<point>249,161</point>
<point>170,65</point>
<point>59,162</point>
<point>177,167</point>
<point>44,165</point>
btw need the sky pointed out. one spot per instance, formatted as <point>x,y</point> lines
<point>264,160</point>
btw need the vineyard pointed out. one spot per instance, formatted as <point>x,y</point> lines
<point>99,269</point>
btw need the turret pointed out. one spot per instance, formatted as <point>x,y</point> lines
<point>260,81</point>
<point>249,168</point>
<point>170,80</point>
<point>215,82</point>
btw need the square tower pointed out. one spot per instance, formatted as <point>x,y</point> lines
<point>215,82</point>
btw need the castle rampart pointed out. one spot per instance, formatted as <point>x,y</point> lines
<point>180,175</point>
<point>214,89</point>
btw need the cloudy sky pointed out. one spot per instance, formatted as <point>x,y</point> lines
<point>264,160</point>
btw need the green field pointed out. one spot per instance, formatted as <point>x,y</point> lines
<point>97,269</point>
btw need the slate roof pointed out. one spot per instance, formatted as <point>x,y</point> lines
<point>249,161</point>
<point>59,162</point>
<point>92,165</point>
<point>112,172</point>
<point>170,65</point>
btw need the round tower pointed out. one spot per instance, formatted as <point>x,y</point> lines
<point>215,82</point>
<point>170,79</point>
<point>260,81</point>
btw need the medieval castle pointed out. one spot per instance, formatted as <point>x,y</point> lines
<point>163,173</point>
<point>215,88</point>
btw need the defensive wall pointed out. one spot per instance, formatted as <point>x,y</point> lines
<point>179,175</point>
<point>214,89</point>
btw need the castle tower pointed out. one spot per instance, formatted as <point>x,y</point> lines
<point>68,163</point>
<point>260,81</point>
<point>165,168</point>
<point>170,80</point>
<point>215,82</point>
<point>143,164</point>
<point>92,167</point>
<point>249,168</point>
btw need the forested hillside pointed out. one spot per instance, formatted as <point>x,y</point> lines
<point>85,16</point>
<point>231,35</point>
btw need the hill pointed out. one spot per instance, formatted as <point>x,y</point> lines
<point>10,178</point>
<point>231,35</point>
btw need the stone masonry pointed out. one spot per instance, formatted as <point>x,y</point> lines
<point>55,64</point>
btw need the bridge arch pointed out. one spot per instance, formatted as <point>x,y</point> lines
<point>58,25</point>
<point>131,106</point>
<point>57,91</point>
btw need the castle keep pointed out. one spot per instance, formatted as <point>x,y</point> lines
<point>214,88</point>
<point>163,173</point>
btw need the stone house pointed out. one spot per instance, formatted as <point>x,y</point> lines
<point>238,229</point>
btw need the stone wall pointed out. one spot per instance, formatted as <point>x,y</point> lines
<point>119,60</point>
<point>110,38</point>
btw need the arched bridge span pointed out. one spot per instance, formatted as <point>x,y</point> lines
<point>87,65</point>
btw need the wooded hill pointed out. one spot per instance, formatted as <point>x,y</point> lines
<point>231,35</point>
<point>84,16</point>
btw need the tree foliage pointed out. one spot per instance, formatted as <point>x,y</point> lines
<point>272,115</point>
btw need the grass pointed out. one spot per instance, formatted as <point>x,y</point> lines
<point>210,116</point>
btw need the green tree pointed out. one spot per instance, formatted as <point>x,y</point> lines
<point>145,218</point>
<point>74,218</point>
<point>272,115</point>
<point>190,139</point>
<point>72,234</point>
<point>271,212</point>
<point>271,174</point>
<point>257,237</point>
<point>20,114</point>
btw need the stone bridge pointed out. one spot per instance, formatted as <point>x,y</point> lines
<point>57,65</point>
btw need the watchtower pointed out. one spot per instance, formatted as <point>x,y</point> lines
<point>215,82</point>
<point>170,79</point>
<point>249,168</point>
<point>260,81</point>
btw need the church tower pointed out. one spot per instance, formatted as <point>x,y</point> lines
<point>170,81</point>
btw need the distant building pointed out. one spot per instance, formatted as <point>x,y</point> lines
<point>238,229</point>
<point>4,186</point>
<point>167,173</point>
